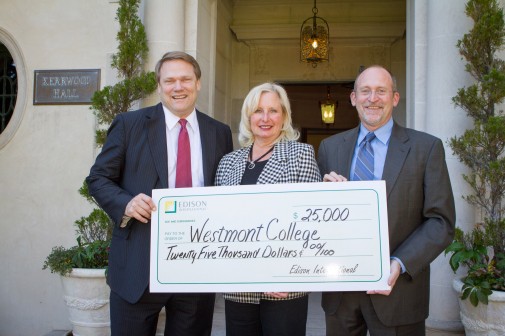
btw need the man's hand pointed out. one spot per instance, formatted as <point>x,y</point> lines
<point>334,177</point>
<point>140,208</point>
<point>396,269</point>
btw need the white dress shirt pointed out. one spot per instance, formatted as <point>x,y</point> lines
<point>172,128</point>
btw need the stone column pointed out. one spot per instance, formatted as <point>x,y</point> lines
<point>164,27</point>
<point>200,27</point>
<point>185,25</point>
<point>164,24</point>
<point>437,73</point>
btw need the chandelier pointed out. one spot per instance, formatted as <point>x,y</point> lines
<point>314,39</point>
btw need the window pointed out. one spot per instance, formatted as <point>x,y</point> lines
<point>8,87</point>
<point>12,87</point>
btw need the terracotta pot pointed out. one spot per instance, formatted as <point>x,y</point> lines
<point>488,320</point>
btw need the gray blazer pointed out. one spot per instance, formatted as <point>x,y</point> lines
<point>291,162</point>
<point>421,215</point>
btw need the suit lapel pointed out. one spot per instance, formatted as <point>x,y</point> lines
<point>398,150</point>
<point>346,152</point>
<point>239,165</point>
<point>208,140</point>
<point>157,138</point>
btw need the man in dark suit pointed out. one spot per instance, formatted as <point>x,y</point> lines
<point>421,213</point>
<point>141,154</point>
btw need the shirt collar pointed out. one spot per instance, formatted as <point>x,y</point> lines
<point>383,133</point>
<point>171,120</point>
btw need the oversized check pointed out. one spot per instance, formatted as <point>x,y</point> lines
<point>280,237</point>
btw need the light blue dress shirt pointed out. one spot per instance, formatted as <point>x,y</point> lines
<point>379,145</point>
<point>380,148</point>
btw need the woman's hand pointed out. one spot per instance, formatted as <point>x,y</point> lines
<point>277,295</point>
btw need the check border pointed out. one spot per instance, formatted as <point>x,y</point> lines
<point>189,279</point>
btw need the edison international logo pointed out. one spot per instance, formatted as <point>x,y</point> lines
<point>170,207</point>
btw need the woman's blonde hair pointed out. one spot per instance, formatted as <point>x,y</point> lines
<point>250,105</point>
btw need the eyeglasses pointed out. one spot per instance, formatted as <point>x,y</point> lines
<point>365,92</point>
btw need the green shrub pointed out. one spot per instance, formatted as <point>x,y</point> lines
<point>85,255</point>
<point>482,149</point>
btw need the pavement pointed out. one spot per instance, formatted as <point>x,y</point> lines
<point>315,320</point>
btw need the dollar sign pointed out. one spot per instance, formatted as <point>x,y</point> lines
<point>295,215</point>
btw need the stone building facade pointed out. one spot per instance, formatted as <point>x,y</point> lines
<point>47,150</point>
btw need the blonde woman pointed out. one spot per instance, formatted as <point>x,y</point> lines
<point>270,154</point>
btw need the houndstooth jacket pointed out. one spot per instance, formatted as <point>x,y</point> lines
<point>291,162</point>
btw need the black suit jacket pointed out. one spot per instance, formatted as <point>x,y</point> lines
<point>421,215</point>
<point>132,161</point>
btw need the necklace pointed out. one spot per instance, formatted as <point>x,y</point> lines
<point>252,163</point>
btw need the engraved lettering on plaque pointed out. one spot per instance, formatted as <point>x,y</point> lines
<point>55,87</point>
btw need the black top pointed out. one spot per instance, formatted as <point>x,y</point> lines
<point>251,176</point>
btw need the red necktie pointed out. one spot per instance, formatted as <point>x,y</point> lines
<point>183,170</point>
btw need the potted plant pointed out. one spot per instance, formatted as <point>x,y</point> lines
<point>93,237</point>
<point>481,251</point>
<point>83,267</point>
